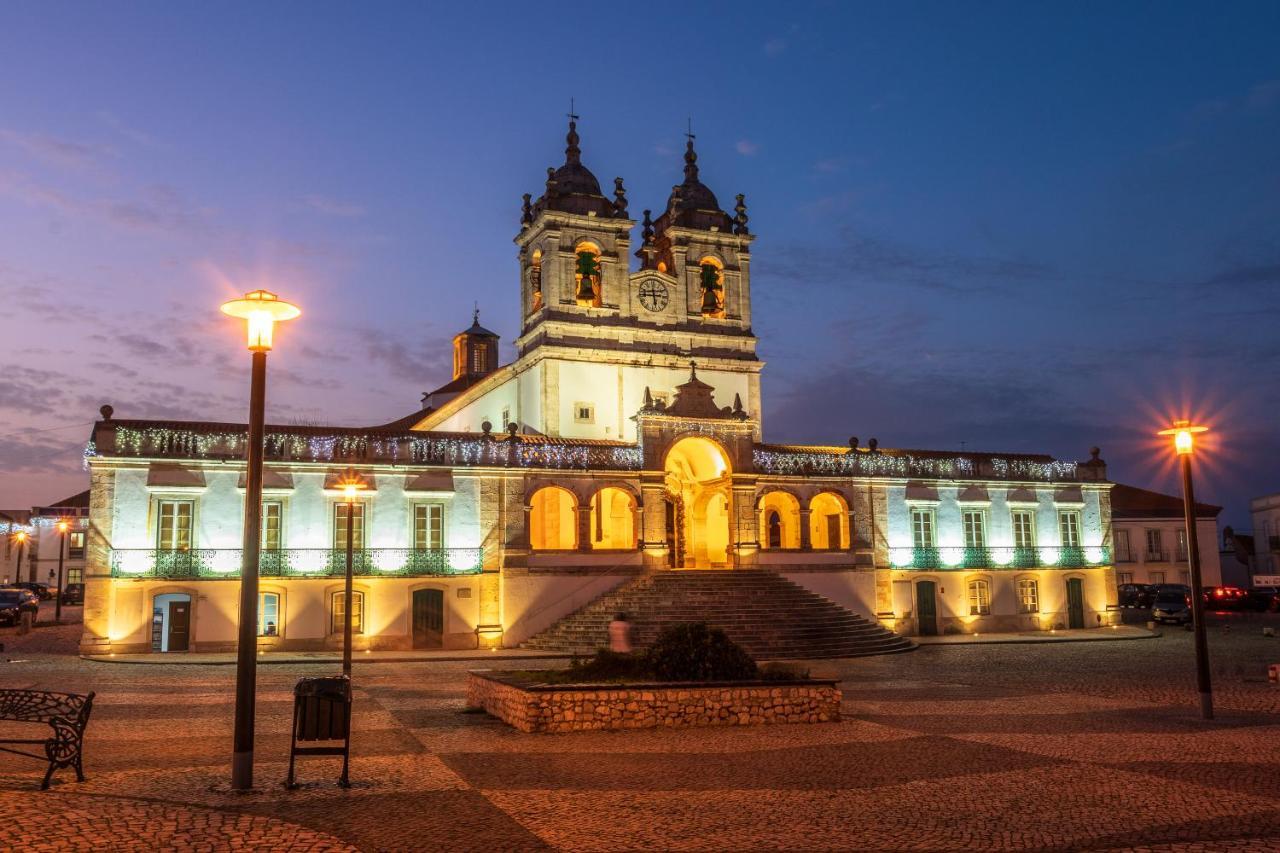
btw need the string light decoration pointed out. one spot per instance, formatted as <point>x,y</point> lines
<point>846,464</point>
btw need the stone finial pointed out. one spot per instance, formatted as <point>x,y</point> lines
<point>648,398</point>
<point>853,442</point>
<point>690,162</point>
<point>619,199</point>
<point>1094,453</point>
<point>551,181</point>
<point>872,444</point>
<point>677,198</point>
<point>740,217</point>
<point>487,429</point>
<point>572,153</point>
<point>513,429</point>
<point>106,411</point>
<point>646,231</point>
<point>693,371</point>
<point>526,210</point>
<point>739,412</point>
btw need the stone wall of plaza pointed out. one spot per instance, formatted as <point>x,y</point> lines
<point>505,564</point>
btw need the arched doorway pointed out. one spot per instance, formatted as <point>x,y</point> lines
<point>698,482</point>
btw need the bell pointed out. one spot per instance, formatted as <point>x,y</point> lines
<point>588,268</point>
<point>710,304</point>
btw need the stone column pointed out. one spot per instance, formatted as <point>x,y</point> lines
<point>584,528</point>
<point>96,637</point>
<point>652,531</point>
<point>806,537</point>
<point>747,522</point>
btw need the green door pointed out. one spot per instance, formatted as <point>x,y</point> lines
<point>428,618</point>
<point>926,609</point>
<point>1075,603</point>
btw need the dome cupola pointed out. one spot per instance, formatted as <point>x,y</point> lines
<point>572,188</point>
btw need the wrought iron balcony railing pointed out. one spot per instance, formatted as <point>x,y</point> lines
<point>962,557</point>
<point>215,563</point>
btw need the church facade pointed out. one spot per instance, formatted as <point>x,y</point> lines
<point>625,439</point>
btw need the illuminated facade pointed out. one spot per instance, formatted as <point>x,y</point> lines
<point>32,540</point>
<point>624,439</point>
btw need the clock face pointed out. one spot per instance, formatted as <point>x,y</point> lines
<point>653,294</point>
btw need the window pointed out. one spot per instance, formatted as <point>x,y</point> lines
<point>268,614</point>
<point>1028,596</point>
<point>272,512</point>
<point>1182,546</point>
<point>1155,546</point>
<point>75,544</point>
<point>428,526</point>
<point>979,598</point>
<point>1124,553</point>
<point>340,526</point>
<point>711,282</point>
<point>1069,528</point>
<point>1024,528</point>
<point>479,360</point>
<point>506,417</point>
<point>584,413</point>
<point>587,274</point>
<point>1157,577</point>
<point>974,528</point>
<point>173,533</point>
<point>922,527</point>
<point>1124,577</point>
<point>340,614</point>
<point>553,519</point>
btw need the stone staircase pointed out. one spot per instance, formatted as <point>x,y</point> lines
<point>768,615</point>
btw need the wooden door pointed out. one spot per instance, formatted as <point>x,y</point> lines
<point>1075,603</point>
<point>179,626</point>
<point>428,619</point>
<point>833,532</point>
<point>926,609</point>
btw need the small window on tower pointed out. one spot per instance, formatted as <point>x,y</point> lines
<point>535,281</point>
<point>584,413</point>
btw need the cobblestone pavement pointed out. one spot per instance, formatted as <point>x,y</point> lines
<point>1083,746</point>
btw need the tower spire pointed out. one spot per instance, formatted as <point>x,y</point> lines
<point>572,153</point>
<point>690,156</point>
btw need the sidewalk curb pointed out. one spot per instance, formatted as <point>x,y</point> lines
<point>173,659</point>
<point>1031,641</point>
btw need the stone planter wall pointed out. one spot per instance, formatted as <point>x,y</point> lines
<point>584,707</point>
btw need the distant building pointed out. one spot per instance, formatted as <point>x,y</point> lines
<point>1149,537</point>
<point>34,557</point>
<point>1266,534</point>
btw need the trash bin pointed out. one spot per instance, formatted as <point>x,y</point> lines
<point>322,712</point>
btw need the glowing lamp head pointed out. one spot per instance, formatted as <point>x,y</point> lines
<point>351,484</point>
<point>1183,433</point>
<point>21,536</point>
<point>261,309</point>
<point>63,526</point>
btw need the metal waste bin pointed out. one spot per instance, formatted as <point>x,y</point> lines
<point>322,712</point>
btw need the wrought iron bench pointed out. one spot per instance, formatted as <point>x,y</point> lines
<point>66,713</point>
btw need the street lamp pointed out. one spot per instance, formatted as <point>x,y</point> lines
<point>1184,433</point>
<point>63,527</point>
<point>20,537</point>
<point>261,310</point>
<point>351,484</point>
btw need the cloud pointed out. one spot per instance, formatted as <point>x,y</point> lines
<point>62,152</point>
<point>333,207</point>
<point>831,165</point>
<point>128,132</point>
<point>156,207</point>
<point>746,148</point>
<point>775,46</point>
<point>861,258</point>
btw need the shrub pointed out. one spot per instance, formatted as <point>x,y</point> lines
<point>783,672</point>
<point>691,651</point>
<point>608,666</point>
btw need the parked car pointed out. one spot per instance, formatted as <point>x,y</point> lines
<point>41,589</point>
<point>1263,598</point>
<point>14,602</point>
<point>1171,605</point>
<point>1135,594</point>
<point>73,594</point>
<point>1224,597</point>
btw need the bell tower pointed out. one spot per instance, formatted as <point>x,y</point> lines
<point>574,246</point>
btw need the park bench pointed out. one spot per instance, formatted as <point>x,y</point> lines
<point>66,713</point>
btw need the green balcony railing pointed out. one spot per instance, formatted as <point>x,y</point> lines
<point>216,563</point>
<point>964,557</point>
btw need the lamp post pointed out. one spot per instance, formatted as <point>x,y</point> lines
<point>351,484</point>
<point>21,538</point>
<point>63,527</point>
<point>261,310</point>
<point>1183,433</point>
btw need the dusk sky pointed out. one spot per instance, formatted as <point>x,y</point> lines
<point>1007,227</point>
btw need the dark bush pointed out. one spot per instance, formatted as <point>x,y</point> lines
<point>693,652</point>
<point>783,672</point>
<point>609,666</point>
